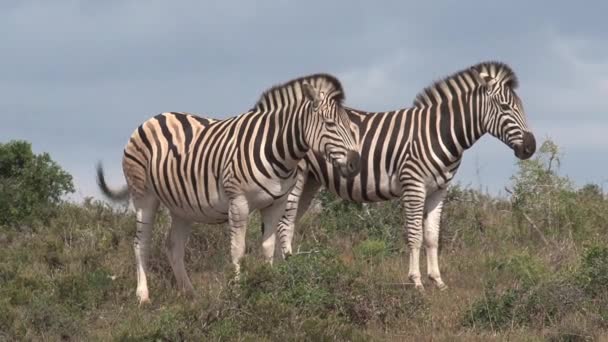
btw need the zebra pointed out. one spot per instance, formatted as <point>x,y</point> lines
<point>413,154</point>
<point>215,171</point>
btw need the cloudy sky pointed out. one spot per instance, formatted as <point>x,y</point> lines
<point>77,77</point>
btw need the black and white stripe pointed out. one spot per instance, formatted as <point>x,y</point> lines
<point>414,153</point>
<point>213,171</point>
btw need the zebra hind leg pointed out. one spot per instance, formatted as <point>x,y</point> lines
<point>270,218</point>
<point>145,208</point>
<point>298,202</point>
<point>175,248</point>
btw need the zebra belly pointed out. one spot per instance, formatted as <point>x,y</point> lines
<point>205,203</point>
<point>215,212</point>
<point>387,188</point>
<point>273,191</point>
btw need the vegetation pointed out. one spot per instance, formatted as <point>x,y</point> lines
<point>529,266</point>
<point>31,185</point>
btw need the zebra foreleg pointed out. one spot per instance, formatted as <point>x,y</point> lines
<point>237,219</point>
<point>174,249</point>
<point>145,212</point>
<point>433,206</point>
<point>413,202</point>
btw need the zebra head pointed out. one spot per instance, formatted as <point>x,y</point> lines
<point>334,137</point>
<point>504,116</point>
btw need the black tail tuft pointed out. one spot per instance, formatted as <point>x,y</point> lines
<point>120,195</point>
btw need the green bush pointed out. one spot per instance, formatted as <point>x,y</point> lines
<point>371,250</point>
<point>31,185</point>
<point>549,203</point>
<point>545,299</point>
<point>550,301</point>
<point>493,310</point>
<point>542,305</point>
<point>593,272</point>
<point>46,315</point>
<point>524,269</point>
<point>85,291</point>
<point>379,221</point>
<point>312,296</point>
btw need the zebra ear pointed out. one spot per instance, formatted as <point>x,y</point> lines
<point>311,94</point>
<point>484,79</point>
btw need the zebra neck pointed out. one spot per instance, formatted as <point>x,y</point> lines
<point>288,144</point>
<point>460,122</point>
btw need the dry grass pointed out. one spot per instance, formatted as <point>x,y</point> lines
<point>75,280</point>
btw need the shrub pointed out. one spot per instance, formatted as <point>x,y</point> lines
<point>545,300</point>
<point>542,198</point>
<point>593,272</point>
<point>84,291</point>
<point>525,269</point>
<point>45,315</point>
<point>379,221</point>
<point>312,296</point>
<point>371,250</point>
<point>30,185</point>
<point>493,310</point>
<point>547,303</point>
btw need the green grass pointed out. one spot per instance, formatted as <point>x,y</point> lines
<point>533,277</point>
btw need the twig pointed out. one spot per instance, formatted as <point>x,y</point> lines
<point>542,236</point>
<point>307,252</point>
<point>398,284</point>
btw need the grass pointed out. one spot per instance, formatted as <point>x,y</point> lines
<point>533,277</point>
<point>75,279</point>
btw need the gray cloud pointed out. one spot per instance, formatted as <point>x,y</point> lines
<point>79,76</point>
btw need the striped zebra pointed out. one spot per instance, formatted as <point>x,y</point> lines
<point>213,171</point>
<point>414,153</point>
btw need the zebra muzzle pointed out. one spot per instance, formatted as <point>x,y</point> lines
<point>353,163</point>
<point>527,147</point>
<point>349,165</point>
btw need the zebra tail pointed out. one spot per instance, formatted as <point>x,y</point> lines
<point>114,195</point>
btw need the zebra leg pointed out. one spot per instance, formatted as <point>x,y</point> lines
<point>298,203</point>
<point>270,218</point>
<point>433,206</point>
<point>238,213</point>
<point>413,202</point>
<point>145,208</point>
<point>174,249</point>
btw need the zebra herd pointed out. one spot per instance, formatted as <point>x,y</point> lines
<point>298,137</point>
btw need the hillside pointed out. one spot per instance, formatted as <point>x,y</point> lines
<point>529,266</point>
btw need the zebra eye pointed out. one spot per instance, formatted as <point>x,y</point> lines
<point>330,123</point>
<point>505,107</point>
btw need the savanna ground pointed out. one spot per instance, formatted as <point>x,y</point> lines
<point>531,265</point>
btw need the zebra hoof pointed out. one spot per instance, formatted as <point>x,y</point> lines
<point>142,296</point>
<point>417,283</point>
<point>144,302</point>
<point>187,292</point>
<point>441,286</point>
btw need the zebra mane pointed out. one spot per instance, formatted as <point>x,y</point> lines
<point>501,71</point>
<point>330,84</point>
